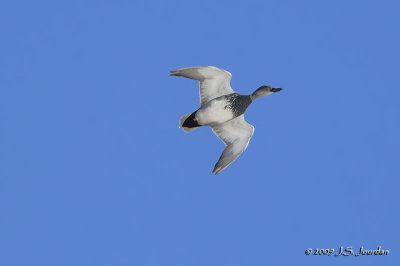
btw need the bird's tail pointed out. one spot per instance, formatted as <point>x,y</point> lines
<point>188,122</point>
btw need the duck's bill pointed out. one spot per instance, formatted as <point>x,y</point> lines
<point>276,89</point>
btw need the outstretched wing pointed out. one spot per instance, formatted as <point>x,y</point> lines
<point>214,82</point>
<point>236,135</point>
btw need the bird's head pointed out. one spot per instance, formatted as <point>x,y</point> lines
<point>264,91</point>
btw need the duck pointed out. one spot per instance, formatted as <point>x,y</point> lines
<point>222,109</point>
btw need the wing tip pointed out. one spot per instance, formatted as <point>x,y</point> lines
<point>217,169</point>
<point>175,73</point>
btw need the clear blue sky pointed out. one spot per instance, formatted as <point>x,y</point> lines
<point>95,171</point>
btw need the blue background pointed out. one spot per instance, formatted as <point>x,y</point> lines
<point>95,171</point>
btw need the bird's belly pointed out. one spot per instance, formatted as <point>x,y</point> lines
<point>214,113</point>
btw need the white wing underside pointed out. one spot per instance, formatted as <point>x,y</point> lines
<point>214,82</point>
<point>236,135</point>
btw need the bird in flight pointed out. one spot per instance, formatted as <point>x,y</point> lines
<point>222,109</point>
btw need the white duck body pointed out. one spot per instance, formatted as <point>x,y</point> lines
<point>214,112</point>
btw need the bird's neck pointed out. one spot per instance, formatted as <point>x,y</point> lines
<point>253,96</point>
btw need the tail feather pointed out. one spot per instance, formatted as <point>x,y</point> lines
<point>187,122</point>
